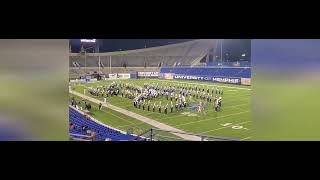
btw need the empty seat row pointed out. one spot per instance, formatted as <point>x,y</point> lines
<point>218,72</point>
<point>78,121</point>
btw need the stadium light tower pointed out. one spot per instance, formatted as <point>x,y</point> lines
<point>85,58</point>
<point>221,50</point>
<point>85,42</point>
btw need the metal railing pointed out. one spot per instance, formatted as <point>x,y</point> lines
<point>152,135</point>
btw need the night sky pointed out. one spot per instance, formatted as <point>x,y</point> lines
<point>233,47</point>
<point>109,45</point>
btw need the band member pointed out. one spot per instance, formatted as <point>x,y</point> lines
<point>215,99</point>
<point>154,107</point>
<point>200,107</point>
<point>100,106</point>
<point>219,101</point>
<point>216,106</point>
<point>177,107</point>
<point>166,109</point>
<point>171,106</point>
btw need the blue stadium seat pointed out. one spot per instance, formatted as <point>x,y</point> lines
<point>218,72</point>
<point>78,121</point>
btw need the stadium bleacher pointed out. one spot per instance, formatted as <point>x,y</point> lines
<point>78,121</point>
<point>230,64</point>
<point>170,55</point>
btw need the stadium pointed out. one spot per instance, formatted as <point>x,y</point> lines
<point>187,90</point>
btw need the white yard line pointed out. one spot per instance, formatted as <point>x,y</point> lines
<point>245,138</point>
<point>239,108</point>
<point>205,84</point>
<point>236,96</point>
<point>227,107</point>
<point>237,100</point>
<point>130,125</point>
<point>120,118</point>
<point>152,122</point>
<point>224,127</point>
<point>170,117</point>
<point>211,119</point>
<point>236,105</point>
<point>121,103</point>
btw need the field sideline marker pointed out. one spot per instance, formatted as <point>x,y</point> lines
<point>224,127</point>
<point>211,118</point>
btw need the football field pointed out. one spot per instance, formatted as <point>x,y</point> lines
<point>233,121</point>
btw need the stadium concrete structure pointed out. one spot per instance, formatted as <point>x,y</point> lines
<point>182,54</point>
<point>187,64</point>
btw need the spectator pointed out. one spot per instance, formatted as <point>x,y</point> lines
<point>88,106</point>
<point>71,126</point>
<point>89,131</point>
<point>93,135</point>
<point>72,102</point>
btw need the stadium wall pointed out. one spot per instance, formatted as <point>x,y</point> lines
<point>240,76</point>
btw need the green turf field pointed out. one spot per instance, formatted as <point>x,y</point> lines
<point>121,121</point>
<point>233,121</point>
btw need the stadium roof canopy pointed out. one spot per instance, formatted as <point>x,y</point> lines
<point>169,50</point>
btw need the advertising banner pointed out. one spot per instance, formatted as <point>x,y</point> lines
<point>229,80</point>
<point>113,76</point>
<point>124,75</point>
<point>168,76</point>
<point>151,74</point>
<point>197,78</point>
<point>246,81</point>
